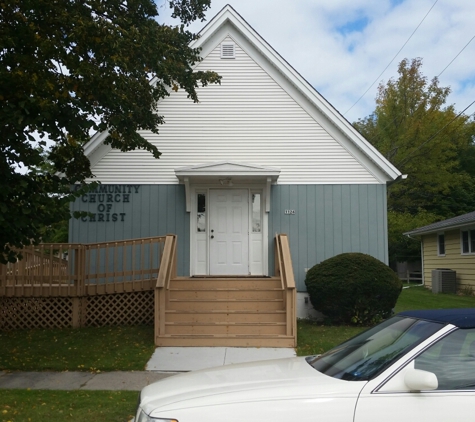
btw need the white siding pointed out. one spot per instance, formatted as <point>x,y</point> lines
<point>249,118</point>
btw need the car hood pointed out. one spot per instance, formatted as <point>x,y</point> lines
<point>271,380</point>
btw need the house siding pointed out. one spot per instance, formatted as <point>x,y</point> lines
<point>249,118</point>
<point>329,220</point>
<point>464,265</point>
<point>149,210</point>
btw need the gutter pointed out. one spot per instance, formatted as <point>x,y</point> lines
<point>422,255</point>
<point>397,179</point>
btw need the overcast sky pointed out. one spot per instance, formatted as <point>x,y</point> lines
<point>342,46</point>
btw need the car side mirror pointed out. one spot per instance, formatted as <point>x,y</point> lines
<point>419,380</point>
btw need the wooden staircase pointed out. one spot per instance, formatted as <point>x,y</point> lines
<point>224,311</point>
<point>219,311</point>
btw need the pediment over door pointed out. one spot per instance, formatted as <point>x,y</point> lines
<point>227,168</point>
<point>225,173</point>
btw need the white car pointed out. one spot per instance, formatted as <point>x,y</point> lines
<point>417,366</point>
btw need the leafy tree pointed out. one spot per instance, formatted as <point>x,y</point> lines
<point>403,248</point>
<point>57,231</point>
<point>69,67</point>
<point>427,140</point>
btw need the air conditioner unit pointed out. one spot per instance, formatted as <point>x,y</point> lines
<point>444,281</point>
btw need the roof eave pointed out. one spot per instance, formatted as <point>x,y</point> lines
<point>440,229</point>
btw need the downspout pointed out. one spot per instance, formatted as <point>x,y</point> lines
<point>422,266</point>
<point>397,179</point>
<point>422,257</point>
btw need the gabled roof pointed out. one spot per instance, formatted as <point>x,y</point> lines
<point>229,15</point>
<point>327,116</point>
<point>451,223</point>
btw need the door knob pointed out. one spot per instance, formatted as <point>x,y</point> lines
<point>212,237</point>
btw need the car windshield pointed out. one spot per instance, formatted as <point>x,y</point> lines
<point>371,352</point>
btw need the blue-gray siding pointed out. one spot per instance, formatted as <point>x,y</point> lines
<point>328,220</point>
<point>149,210</point>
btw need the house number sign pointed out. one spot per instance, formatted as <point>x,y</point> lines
<point>289,212</point>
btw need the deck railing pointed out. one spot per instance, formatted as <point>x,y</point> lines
<point>83,269</point>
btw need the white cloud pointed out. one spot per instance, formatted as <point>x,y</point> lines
<point>316,38</point>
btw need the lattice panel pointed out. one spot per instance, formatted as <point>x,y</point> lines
<point>26,313</point>
<point>120,309</point>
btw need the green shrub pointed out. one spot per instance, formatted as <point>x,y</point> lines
<point>353,288</point>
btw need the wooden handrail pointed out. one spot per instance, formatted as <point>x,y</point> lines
<point>166,264</point>
<point>284,268</point>
<point>285,261</point>
<point>129,241</point>
<point>166,273</point>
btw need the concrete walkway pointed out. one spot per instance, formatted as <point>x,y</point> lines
<point>165,362</point>
<point>179,359</point>
<point>133,381</point>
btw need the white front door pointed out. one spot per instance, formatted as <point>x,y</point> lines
<point>229,232</point>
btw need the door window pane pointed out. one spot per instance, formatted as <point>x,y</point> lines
<point>201,212</point>
<point>256,213</point>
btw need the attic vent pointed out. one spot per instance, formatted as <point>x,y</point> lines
<point>228,50</point>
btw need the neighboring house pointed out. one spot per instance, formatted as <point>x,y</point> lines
<point>262,153</point>
<point>449,245</point>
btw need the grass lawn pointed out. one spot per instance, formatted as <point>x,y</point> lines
<point>421,298</point>
<point>314,338</point>
<point>129,348</point>
<point>60,406</point>
<point>84,349</point>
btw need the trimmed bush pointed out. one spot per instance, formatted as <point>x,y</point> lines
<point>353,288</point>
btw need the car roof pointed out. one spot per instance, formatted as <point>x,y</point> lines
<point>462,318</point>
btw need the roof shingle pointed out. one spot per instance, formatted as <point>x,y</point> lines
<point>460,221</point>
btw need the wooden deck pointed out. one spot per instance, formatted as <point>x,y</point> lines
<point>77,285</point>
